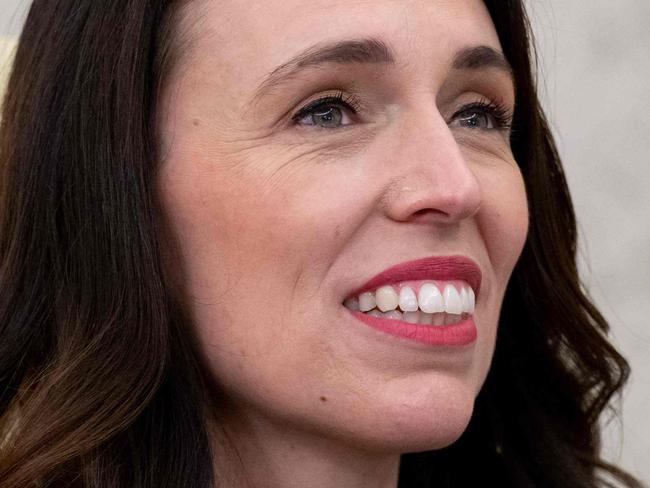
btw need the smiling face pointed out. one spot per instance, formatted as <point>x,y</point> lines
<point>309,146</point>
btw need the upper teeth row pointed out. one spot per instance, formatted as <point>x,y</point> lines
<point>429,299</point>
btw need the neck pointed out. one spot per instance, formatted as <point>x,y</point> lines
<point>260,453</point>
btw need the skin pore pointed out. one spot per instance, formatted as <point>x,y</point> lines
<point>278,212</point>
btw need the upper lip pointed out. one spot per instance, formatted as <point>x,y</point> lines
<point>440,268</point>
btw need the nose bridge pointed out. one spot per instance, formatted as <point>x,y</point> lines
<point>432,177</point>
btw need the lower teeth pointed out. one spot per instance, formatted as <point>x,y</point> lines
<point>419,317</point>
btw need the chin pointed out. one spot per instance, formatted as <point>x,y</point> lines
<point>413,426</point>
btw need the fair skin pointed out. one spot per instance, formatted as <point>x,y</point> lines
<point>277,219</point>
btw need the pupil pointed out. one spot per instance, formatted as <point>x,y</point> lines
<point>328,118</point>
<point>475,120</point>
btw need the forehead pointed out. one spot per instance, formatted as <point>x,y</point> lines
<point>250,38</point>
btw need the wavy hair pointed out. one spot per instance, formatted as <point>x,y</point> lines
<point>100,385</point>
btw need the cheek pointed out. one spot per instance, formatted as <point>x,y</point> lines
<point>505,222</point>
<point>242,252</point>
<point>254,252</point>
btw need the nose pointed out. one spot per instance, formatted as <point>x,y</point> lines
<point>432,181</point>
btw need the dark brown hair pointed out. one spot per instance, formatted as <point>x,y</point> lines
<point>99,382</point>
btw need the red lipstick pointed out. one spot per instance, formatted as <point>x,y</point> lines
<point>460,334</point>
<point>442,268</point>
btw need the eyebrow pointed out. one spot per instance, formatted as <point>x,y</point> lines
<point>374,51</point>
<point>482,57</point>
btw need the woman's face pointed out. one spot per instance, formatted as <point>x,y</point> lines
<point>283,206</point>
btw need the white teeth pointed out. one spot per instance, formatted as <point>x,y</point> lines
<point>433,319</point>
<point>468,300</point>
<point>452,300</point>
<point>386,298</point>
<point>411,317</point>
<point>430,299</point>
<point>408,302</point>
<point>352,304</point>
<point>367,302</point>
<point>393,315</point>
<point>464,300</point>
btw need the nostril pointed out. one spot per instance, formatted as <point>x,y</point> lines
<point>427,211</point>
<point>427,216</point>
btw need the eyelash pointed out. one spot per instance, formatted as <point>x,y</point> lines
<point>499,111</point>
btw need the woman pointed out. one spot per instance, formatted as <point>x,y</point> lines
<point>268,244</point>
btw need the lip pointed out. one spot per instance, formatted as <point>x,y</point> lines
<point>439,268</point>
<point>461,334</point>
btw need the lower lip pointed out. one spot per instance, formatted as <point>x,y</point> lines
<point>459,334</point>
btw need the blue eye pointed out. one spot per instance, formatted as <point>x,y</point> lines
<point>476,120</point>
<point>338,111</point>
<point>327,116</point>
<point>330,112</point>
<point>482,115</point>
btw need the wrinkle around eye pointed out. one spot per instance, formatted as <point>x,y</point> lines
<point>342,140</point>
<point>344,144</point>
<point>492,144</point>
<point>292,163</point>
<point>281,155</point>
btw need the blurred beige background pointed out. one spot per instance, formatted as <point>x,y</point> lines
<point>595,84</point>
<point>595,78</point>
